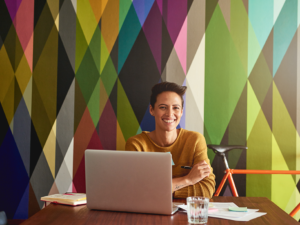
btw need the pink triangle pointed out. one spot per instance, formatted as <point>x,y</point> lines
<point>160,5</point>
<point>24,21</point>
<point>79,178</point>
<point>177,13</point>
<point>73,188</point>
<point>95,142</point>
<point>29,52</point>
<point>181,45</point>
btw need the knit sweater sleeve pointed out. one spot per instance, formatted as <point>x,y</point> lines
<point>205,187</point>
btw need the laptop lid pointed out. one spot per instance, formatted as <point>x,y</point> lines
<point>129,181</point>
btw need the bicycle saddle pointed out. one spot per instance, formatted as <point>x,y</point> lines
<point>218,149</point>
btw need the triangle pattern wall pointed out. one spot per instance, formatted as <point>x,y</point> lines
<point>78,74</point>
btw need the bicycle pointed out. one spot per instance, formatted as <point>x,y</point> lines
<point>220,150</point>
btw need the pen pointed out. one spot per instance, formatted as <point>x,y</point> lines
<point>186,167</point>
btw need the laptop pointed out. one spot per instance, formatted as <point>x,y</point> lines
<point>128,181</point>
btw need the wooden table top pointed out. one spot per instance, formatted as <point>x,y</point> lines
<point>68,215</point>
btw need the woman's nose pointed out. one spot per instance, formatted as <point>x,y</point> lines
<point>169,112</point>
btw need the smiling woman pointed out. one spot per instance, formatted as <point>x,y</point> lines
<point>188,148</point>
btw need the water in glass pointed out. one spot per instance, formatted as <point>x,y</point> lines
<point>197,210</point>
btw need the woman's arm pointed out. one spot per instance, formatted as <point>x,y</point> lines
<point>199,171</point>
<point>203,179</point>
<point>205,187</point>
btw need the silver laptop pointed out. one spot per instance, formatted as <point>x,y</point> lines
<point>129,181</point>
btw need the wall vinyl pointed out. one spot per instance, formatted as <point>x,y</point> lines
<point>77,74</point>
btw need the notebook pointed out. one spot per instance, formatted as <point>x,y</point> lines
<point>128,181</point>
<point>66,199</point>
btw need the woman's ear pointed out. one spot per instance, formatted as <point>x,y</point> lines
<point>151,110</point>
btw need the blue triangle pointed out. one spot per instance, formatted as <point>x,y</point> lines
<point>22,210</point>
<point>14,178</point>
<point>148,122</point>
<point>142,8</point>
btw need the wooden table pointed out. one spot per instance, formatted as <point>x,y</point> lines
<point>68,215</point>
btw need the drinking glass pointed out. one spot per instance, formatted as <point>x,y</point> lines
<point>197,210</point>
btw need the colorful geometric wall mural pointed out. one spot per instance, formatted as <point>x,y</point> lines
<point>77,74</point>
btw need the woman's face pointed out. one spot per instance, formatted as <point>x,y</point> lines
<point>167,111</point>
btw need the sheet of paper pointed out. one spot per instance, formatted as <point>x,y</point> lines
<point>245,218</point>
<point>184,207</point>
<point>220,205</point>
<point>227,213</point>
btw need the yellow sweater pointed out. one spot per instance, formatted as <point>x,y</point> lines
<point>188,149</point>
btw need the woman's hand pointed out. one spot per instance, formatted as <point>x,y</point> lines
<point>198,172</point>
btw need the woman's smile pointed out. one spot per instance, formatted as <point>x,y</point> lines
<point>169,120</point>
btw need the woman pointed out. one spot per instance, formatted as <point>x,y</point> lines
<point>188,148</point>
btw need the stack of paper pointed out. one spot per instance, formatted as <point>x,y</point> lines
<point>222,212</point>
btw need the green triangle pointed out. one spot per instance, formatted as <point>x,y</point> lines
<point>278,161</point>
<point>80,105</point>
<point>109,76</point>
<point>259,157</point>
<point>293,201</point>
<point>123,10</point>
<point>223,83</point>
<point>139,130</point>
<point>237,129</point>
<point>254,48</point>
<point>103,97</point>
<point>239,30</point>
<point>94,104</point>
<point>125,115</point>
<point>211,155</point>
<point>104,54</point>
<point>253,108</point>
<point>81,45</point>
<point>216,120</point>
<point>86,18</point>
<point>87,75</point>
<point>282,122</point>
<point>237,77</point>
<point>95,47</point>
<point>280,182</point>
<point>261,78</point>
